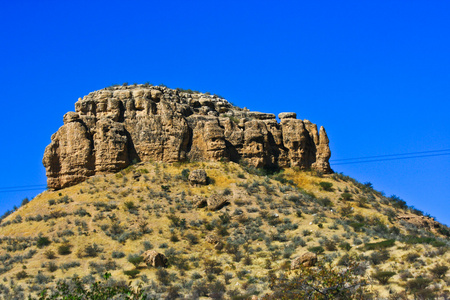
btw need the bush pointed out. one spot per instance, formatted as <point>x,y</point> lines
<point>76,289</point>
<point>345,246</point>
<point>21,275</point>
<point>317,250</point>
<point>412,257</point>
<point>132,273</point>
<point>117,254</point>
<point>419,286</point>
<point>52,267</point>
<point>192,238</point>
<point>92,250</point>
<point>380,245</point>
<point>326,186</point>
<point>325,282</point>
<point>439,271</point>
<point>43,241</point>
<point>383,276</point>
<point>50,254</point>
<point>378,257</point>
<point>135,260</point>
<point>65,249</point>
<point>346,196</point>
<point>325,202</point>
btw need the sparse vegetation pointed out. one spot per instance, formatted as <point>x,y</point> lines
<point>243,249</point>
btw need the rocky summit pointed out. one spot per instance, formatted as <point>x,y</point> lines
<point>117,126</point>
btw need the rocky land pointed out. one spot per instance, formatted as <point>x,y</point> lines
<point>115,127</point>
<point>165,194</point>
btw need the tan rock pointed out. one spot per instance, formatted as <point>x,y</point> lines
<point>199,201</point>
<point>422,222</point>
<point>216,201</point>
<point>154,259</point>
<point>307,259</point>
<point>198,177</point>
<point>287,115</point>
<point>112,128</point>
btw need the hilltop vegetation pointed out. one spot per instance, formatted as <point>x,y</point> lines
<point>232,238</point>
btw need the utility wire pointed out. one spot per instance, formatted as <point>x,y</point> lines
<point>22,190</point>
<point>390,155</point>
<point>388,159</point>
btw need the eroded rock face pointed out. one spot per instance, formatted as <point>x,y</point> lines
<point>114,127</point>
<point>422,222</point>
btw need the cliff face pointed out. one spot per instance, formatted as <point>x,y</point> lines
<point>115,127</point>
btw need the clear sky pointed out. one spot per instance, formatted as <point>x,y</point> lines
<point>375,74</point>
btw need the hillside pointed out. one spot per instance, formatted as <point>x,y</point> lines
<point>225,238</point>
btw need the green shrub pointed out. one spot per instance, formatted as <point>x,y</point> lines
<point>412,257</point>
<point>325,202</point>
<point>345,246</point>
<point>346,196</point>
<point>135,260</point>
<point>42,242</point>
<point>52,267</point>
<point>323,282</point>
<point>380,245</point>
<point>132,273</point>
<point>65,249</point>
<point>92,250</point>
<point>378,257</point>
<point>383,276</point>
<point>75,289</point>
<point>192,238</point>
<point>326,186</point>
<point>50,254</point>
<point>439,271</point>
<point>419,286</point>
<point>21,275</point>
<point>317,249</point>
<point>129,205</point>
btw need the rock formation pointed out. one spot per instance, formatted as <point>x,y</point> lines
<point>307,259</point>
<point>423,222</point>
<point>117,126</point>
<point>154,259</point>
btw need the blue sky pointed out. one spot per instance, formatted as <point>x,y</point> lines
<point>375,74</point>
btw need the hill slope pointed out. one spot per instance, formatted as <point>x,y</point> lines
<point>227,237</point>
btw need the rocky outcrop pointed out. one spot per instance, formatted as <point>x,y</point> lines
<point>422,222</point>
<point>114,127</point>
<point>216,201</point>
<point>198,177</point>
<point>307,259</point>
<point>154,259</point>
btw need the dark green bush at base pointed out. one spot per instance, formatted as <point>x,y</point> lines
<point>76,290</point>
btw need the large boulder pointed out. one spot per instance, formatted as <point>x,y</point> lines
<point>216,201</point>
<point>198,177</point>
<point>307,259</point>
<point>155,259</point>
<point>117,126</point>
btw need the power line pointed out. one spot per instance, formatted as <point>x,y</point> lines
<point>388,159</point>
<point>23,186</point>
<point>390,155</point>
<point>23,190</point>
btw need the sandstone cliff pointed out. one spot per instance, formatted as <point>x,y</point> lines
<point>116,126</point>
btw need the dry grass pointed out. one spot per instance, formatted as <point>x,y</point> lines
<point>161,191</point>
